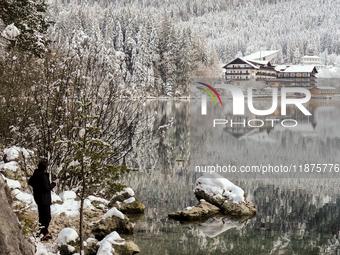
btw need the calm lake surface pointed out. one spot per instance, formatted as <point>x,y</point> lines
<point>295,215</point>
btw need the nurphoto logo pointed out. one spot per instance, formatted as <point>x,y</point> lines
<point>238,99</point>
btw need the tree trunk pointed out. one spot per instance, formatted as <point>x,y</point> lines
<point>82,212</point>
<point>81,224</point>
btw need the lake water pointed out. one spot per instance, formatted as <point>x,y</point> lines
<point>295,215</point>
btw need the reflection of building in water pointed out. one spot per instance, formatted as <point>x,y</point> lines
<point>240,127</point>
<point>323,91</point>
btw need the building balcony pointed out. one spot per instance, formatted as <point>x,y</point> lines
<point>237,74</point>
<point>230,67</point>
<point>266,74</point>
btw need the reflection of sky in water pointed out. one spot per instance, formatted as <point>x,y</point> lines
<point>295,216</point>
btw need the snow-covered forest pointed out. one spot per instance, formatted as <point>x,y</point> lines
<point>154,47</point>
<point>243,27</point>
<point>151,54</point>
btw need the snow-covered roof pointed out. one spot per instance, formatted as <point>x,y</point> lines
<point>317,57</point>
<point>244,60</point>
<point>263,62</point>
<point>249,63</point>
<point>321,88</point>
<point>262,54</point>
<point>280,67</point>
<point>299,69</point>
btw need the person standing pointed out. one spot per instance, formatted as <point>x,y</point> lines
<point>42,187</point>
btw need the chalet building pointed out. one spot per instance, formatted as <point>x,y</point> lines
<point>242,69</point>
<point>258,66</point>
<point>311,61</point>
<point>299,76</point>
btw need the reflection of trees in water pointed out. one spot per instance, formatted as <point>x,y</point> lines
<point>161,152</point>
<point>290,220</point>
<point>301,214</point>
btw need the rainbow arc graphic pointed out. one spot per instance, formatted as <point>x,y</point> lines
<point>209,93</point>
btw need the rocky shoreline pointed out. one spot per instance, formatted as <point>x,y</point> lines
<point>105,220</point>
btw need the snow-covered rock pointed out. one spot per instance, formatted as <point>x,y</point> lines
<point>113,220</point>
<point>99,199</point>
<point>127,202</point>
<point>66,235</point>
<point>222,193</point>
<point>128,190</point>
<point>120,246</point>
<point>113,211</point>
<point>216,186</point>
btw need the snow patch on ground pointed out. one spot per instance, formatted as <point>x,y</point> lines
<point>12,166</point>
<point>70,207</point>
<point>14,152</point>
<point>113,211</point>
<point>66,235</point>
<point>55,197</point>
<point>66,195</point>
<point>214,184</point>
<point>102,200</point>
<point>24,197</point>
<point>44,249</point>
<point>12,183</point>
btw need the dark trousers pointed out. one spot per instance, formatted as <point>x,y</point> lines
<point>44,218</point>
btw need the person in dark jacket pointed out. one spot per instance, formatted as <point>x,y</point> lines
<point>42,187</point>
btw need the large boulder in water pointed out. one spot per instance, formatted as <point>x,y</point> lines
<point>200,211</point>
<point>245,208</point>
<point>222,193</point>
